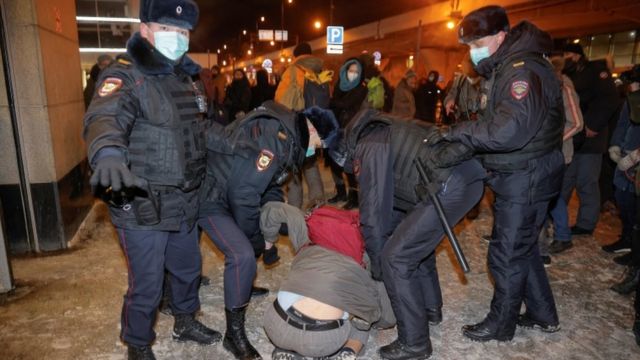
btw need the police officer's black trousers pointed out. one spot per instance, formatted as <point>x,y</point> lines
<point>408,258</point>
<point>521,203</point>
<point>148,254</point>
<point>239,258</point>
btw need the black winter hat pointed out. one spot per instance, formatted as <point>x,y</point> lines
<point>180,13</point>
<point>573,48</point>
<point>302,49</point>
<point>485,21</point>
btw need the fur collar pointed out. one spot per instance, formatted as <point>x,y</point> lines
<point>152,62</point>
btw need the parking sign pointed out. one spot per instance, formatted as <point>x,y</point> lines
<point>335,35</point>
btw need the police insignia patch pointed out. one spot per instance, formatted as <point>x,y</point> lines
<point>264,160</point>
<point>109,86</point>
<point>604,75</point>
<point>179,10</point>
<point>519,89</point>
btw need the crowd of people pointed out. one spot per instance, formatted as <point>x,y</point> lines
<point>177,150</point>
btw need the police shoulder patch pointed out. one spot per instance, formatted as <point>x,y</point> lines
<point>109,86</point>
<point>519,89</point>
<point>604,75</point>
<point>265,159</point>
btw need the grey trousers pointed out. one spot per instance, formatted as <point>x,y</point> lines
<point>309,343</point>
<point>311,174</point>
<point>274,213</point>
<point>583,175</point>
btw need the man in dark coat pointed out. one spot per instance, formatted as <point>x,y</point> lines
<point>598,102</point>
<point>400,226</point>
<point>519,138</point>
<point>145,130</point>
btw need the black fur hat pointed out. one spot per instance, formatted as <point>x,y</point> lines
<point>488,20</point>
<point>573,48</point>
<point>180,13</point>
<point>302,49</point>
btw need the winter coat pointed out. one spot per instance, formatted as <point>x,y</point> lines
<point>404,103</point>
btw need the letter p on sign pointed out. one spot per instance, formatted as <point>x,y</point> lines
<point>335,35</point>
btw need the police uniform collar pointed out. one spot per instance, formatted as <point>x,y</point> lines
<point>522,39</point>
<point>152,62</point>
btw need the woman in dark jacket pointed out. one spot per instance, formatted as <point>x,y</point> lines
<point>238,99</point>
<point>349,95</point>
<point>263,91</point>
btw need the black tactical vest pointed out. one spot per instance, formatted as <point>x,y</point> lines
<point>167,145</point>
<point>407,145</point>
<point>549,137</point>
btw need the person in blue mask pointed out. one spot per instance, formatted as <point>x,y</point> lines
<point>145,131</point>
<point>519,138</point>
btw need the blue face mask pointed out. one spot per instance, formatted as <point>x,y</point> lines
<point>171,44</point>
<point>479,54</point>
<point>310,151</point>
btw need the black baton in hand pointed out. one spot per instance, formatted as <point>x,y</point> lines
<point>443,217</point>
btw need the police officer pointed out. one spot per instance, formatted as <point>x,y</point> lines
<point>146,144</point>
<point>380,149</point>
<point>244,172</point>
<point>519,137</point>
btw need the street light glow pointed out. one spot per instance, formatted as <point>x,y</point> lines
<point>450,25</point>
<point>224,46</point>
<point>249,52</point>
<point>317,24</point>
<point>244,32</point>
<point>272,42</point>
<point>262,18</point>
<point>576,41</point>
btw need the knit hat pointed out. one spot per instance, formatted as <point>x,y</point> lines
<point>302,49</point>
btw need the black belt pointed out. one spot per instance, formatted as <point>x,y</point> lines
<point>299,321</point>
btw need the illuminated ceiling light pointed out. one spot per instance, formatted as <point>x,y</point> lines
<point>224,46</point>
<point>289,60</point>
<point>244,32</point>
<point>615,75</point>
<point>632,34</point>
<point>281,59</point>
<point>576,41</point>
<point>317,24</point>
<point>290,1</point>
<point>410,57</point>
<point>103,50</point>
<point>224,62</point>
<point>249,52</point>
<point>262,19</point>
<point>272,43</point>
<point>94,19</point>
<point>218,51</point>
<point>450,24</point>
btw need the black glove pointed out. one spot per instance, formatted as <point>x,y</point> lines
<point>376,269</point>
<point>112,171</point>
<point>436,136</point>
<point>450,154</point>
<point>270,256</point>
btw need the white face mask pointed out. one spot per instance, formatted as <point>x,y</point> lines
<point>352,76</point>
<point>314,139</point>
<point>171,44</point>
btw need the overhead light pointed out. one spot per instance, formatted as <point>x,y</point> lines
<point>450,24</point>
<point>95,19</point>
<point>410,57</point>
<point>103,50</point>
<point>576,41</point>
<point>272,43</point>
<point>224,62</point>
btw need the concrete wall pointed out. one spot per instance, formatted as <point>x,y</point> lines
<point>42,44</point>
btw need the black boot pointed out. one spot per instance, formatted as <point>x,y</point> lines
<point>187,328</point>
<point>629,281</point>
<point>398,351</point>
<point>140,353</point>
<point>257,292</point>
<point>352,200</point>
<point>483,332</point>
<point>341,195</point>
<point>235,340</point>
<point>434,316</point>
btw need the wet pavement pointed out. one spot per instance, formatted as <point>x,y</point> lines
<point>67,306</point>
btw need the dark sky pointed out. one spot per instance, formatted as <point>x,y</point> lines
<point>222,22</point>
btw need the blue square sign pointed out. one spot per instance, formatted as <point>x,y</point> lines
<point>335,35</point>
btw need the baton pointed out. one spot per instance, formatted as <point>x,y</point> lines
<point>453,240</point>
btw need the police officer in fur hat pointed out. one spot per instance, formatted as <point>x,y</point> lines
<point>145,131</point>
<point>519,138</point>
